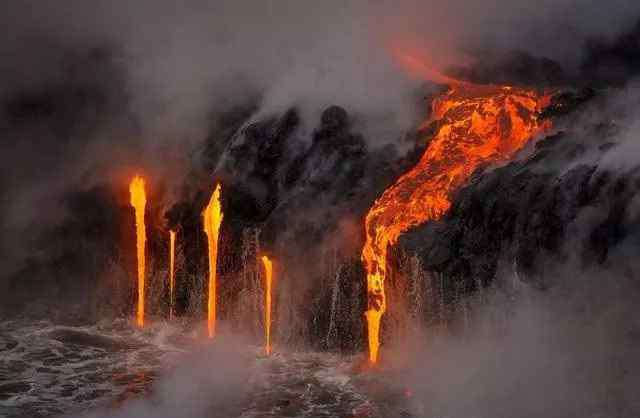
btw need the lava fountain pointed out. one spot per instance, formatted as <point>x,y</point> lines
<point>476,125</point>
<point>212,219</point>
<point>139,202</point>
<point>172,272</point>
<point>268,277</point>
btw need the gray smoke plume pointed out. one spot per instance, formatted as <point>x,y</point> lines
<point>92,91</point>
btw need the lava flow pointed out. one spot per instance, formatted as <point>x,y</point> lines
<point>212,219</point>
<point>139,201</point>
<point>268,270</point>
<point>172,263</point>
<point>476,125</point>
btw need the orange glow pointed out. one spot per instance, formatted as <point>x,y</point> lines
<point>139,202</point>
<point>268,276</point>
<point>172,278</point>
<point>212,219</point>
<point>477,125</point>
<point>419,68</point>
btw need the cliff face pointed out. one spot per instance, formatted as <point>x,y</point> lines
<point>562,201</point>
<point>294,183</point>
<point>300,195</point>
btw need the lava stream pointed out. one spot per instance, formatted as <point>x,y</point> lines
<point>268,269</point>
<point>139,201</point>
<point>477,125</point>
<point>172,278</point>
<point>212,219</point>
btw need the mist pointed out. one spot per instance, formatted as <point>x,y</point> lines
<point>314,113</point>
<point>209,381</point>
<point>564,352</point>
<point>154,73</point>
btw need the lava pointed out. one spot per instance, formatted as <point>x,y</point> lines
<point>172,263</point>
<point>139,202</point>
<point>268,277</point>
<point>477,125</point>
<point>212,219</point>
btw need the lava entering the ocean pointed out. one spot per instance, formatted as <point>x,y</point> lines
<point>268,277</point>
<point>172,263</point>
<point>212,219</point>
<point>477,125</point>
<point>139,202</point>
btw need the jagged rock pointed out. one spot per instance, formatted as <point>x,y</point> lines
<point>530,210</point>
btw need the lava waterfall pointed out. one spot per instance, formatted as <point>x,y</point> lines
<point>212,219</point>
<point>139,202</point>
<point>476,125</point>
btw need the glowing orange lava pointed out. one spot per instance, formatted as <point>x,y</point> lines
<point>172,263</point>
<point>268,276</point>
<point>476,125</point>
<point>212,219</point>
<point>139,201</point>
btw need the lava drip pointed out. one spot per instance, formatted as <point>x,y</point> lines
<point>172,263</point>
<point>212,219</point>
<point>139,202</point>
<point>268,277</point>
<point>476,125</point>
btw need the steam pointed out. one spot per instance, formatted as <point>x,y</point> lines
<point>211,381</point>
<point>93,90</point>
<point>563,352</point>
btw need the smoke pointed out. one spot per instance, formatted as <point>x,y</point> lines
<point>182,61</point>
<point>93,91</point>
<point>212,381</point>
<point>569,351</point>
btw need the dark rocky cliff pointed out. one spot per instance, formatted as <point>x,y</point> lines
<point>561,201</point>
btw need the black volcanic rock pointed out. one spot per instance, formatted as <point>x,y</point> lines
<point>557,204</point>
<point>514,67</point>
<point>613,62</point>
<point>84,339</point>
<point>334,118</point>
<point>306,194</point>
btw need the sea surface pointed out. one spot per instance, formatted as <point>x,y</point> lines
<point>114,369</point>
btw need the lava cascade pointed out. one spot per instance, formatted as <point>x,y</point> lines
<point>172,263</point>
<point>139,202</point>
<point>268,277</point>
<point>212,219</point>
<point>476,125</point>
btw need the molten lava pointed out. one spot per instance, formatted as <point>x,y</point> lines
<point>212,219</point>
<point>172,263</point>
<point>477,125</point>
<point>268,277</point>
<point>139,201</point>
